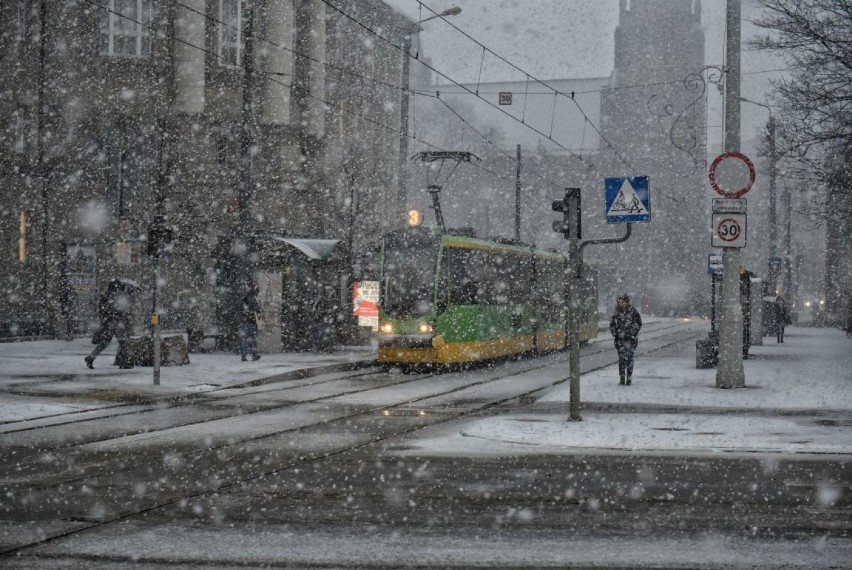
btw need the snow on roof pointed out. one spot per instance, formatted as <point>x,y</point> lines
<point>313,248</point>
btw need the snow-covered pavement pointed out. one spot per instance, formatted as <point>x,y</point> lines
<point>798,397</point>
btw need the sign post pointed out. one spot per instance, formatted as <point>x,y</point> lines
<point>729,233</point>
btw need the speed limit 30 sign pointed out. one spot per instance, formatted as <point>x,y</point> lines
<point>729,230</point>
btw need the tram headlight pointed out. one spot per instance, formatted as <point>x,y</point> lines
<point>386,328</point>
<point>425,328</point>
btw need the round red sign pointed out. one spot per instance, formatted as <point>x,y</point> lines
<point>736,156</point>
<point>728,229</point>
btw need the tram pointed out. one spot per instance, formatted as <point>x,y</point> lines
<point>447,297</point>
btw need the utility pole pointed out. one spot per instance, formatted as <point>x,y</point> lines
<point>773,210</point>
<point>402,171</point>
<point>518,197</point>
<point>788,249</point>
<point>247,134</point>
<point>42,174</point>
<point>730,372</point>
<point>773,220</point>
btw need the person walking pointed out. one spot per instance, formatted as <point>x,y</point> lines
<point>115,312</point>
<point>624,326</point>
<point>782,317</point>
<point>250,319</point>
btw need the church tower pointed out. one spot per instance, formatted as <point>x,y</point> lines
<point>654,115</point>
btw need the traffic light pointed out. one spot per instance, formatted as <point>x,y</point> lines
<point>570,224</point>
<point>159,236</point>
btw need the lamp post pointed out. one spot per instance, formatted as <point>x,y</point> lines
<point>403,105</point>
<point>773,215</point>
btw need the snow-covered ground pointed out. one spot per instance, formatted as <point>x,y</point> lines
<point>673,407</point>
<point>798,397</point>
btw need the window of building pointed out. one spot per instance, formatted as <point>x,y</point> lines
<point>125,27</point>
<point>123,181</point>
<point>20,131</point>
<point>21,21</point>
<point>230,33</point>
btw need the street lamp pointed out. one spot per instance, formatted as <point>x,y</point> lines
<point>403,104</point>
<point>454,11</point>
<point>773,228</point>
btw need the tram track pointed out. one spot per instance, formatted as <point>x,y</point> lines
<point>209,455</point>
<point>253,387</point>
<point>26,456</point>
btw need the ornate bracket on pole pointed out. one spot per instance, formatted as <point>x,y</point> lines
<point>686,136</point>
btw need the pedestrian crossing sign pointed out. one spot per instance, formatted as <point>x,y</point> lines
<point>628,200</point>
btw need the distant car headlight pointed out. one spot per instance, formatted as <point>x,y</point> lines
<point>822,302</point>
<point>807,303</point>
<point>386,328</point>
<point>425,328</point>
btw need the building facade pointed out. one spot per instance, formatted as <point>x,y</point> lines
<point>116,111</point>
<point>654,113</point>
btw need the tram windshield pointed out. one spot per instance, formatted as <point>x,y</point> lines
<point>408,273</point>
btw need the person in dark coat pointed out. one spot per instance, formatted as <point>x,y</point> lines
<point>782,317</point>
<point>249,320</point>
<point>624,326</point>
<point>115,312</point>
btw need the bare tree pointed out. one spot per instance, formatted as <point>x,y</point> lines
<point>815,38</point>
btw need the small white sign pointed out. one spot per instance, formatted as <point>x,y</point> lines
<point>714,264</point>
<point>729,230</point>
<point>729,205</point>
<point>505,98</point>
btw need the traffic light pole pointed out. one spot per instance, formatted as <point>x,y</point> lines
<point>571,228</point>
<point>575,257</point>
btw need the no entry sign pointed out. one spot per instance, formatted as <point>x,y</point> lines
<point>731,158</point>
<point>729,230</point>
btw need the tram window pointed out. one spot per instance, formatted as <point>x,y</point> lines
<point>549,289</point>
<point>409,276</point>
<point>464,286</point>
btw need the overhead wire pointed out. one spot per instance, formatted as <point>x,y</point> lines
<point>591,167</point>
<point>588,165</point>
<point>345,70</point>
<point>498,56</point>
<point>270,78</point>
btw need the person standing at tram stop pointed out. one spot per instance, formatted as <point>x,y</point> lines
<point>782,317</point>
<point>624,326</point>
<point>249,321</point>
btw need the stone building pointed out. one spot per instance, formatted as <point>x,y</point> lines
<point>654,113</point>
<point>114,111</point>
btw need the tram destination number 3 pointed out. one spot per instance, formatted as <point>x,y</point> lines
<point>729,230</point>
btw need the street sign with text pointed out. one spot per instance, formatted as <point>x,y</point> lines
<point>729,205</point>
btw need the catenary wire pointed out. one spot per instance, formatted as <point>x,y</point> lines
<point>289,86</point>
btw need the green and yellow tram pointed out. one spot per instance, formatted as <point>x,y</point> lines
<point>448,298</point>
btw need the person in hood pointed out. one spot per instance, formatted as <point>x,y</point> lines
<point>115,312</point>
<point>249,321</point>
<point>624,326</point>
<point>782,317</point>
